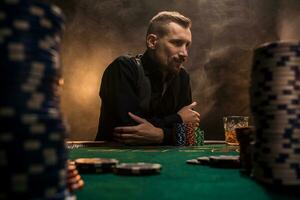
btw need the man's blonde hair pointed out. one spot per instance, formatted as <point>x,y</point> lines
<point>157,24</point>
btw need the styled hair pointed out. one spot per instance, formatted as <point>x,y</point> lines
<point>157,24</point>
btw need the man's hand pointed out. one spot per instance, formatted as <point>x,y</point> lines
<point>188,115</point>
<point>144,133</point>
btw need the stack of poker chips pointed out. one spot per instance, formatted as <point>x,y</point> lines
<point>137,169</point>
<point>275,105</point>
<point>95,165</point>
<point>74,179</point>
<point>112,165</point>
<point>187,135</point>
<point>220,161</point>
<point>245,135</point>
<point>32,131</point>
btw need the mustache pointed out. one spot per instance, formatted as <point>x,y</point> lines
<point>180,59</point>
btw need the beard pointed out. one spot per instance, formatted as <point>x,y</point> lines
<point>175,66</point>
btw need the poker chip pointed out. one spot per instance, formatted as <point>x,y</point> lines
<point>203,160</point>
<point>137,169</point>
<point>77,185</point>
<point>221,161</point>
<point>180,134</point>
<point>224,161</point>
<point>245,136</point>
<point>190,134</point>
<point>275,105</point>
<point>199,134</point>
<point>95,165</point>
<point>193,162</point>
<point>74,180</point>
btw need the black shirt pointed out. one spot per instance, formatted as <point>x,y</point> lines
<point>119,93</point>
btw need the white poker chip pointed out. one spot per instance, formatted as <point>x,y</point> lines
<point>139,168</point>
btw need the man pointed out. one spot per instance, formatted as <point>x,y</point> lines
<point>143,97</point>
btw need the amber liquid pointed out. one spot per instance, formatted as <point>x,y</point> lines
<point>230,138</point>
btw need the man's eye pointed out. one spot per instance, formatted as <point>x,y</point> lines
<point>177,43</point>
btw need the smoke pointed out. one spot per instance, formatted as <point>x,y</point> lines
<point>289,20</point>
<point>224,36</point>
<point>221,74</point>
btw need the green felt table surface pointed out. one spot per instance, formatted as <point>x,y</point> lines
<point>177,179</point>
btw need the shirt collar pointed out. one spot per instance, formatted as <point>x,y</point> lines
<point>151,68</point>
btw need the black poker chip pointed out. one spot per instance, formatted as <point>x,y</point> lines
<point>221,161</point>
<point>137,169</point>
<point>95,165</point>
<point>224,161</point>
<point>203,160</point>
<point>193,162</point>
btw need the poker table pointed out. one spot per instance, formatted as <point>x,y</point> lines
<point>177,179</point>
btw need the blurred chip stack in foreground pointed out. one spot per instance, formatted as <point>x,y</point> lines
<point>275,105</point>
<point>32,150</point>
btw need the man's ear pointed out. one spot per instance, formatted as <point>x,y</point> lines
<point>151,41</point>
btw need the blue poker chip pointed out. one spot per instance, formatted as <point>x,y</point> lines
<point>31,67</point>
<point>277,136</point>
<point>27,57</point>
<point>30,45</point>
<point>276,98</point>
<point>275,133</point>
<point>34,41</point>
<point>38,28</point>
<point>31,76</point>
<point>277,162</point>
<point>276,158</point>
<point>277,155</point>
<point>273,100</point>
<point>283,129</point>
<point>43,127</point>
<point>285,82</point>
<point>281,169</point>
<point>277,116</point>
<point>268,140</point>
<point>266,106</point>
<point>180,134</point>
<point>289,69</point>
<point>271,145</point>
<point>26,92</point>
<point>285,168</point>
<point>34,8</point>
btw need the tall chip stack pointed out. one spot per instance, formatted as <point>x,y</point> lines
<point>32,130</point>
<point>186,134</point>
<point>275,105</point>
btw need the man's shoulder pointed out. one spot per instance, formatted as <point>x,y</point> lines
<point>123,64</point>
<point>124,59</point>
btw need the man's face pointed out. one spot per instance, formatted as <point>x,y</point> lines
<point>171,50</point>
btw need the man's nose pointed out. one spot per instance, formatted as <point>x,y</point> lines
<point>184,52</point>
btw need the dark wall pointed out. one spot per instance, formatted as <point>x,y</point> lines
<point>224,34</point>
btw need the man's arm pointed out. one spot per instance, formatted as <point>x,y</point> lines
<point>144,133</point>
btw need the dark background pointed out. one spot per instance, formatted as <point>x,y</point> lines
<point>225,32</point>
